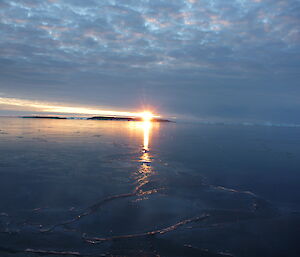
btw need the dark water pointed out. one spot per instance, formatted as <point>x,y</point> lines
<point>105,188</point>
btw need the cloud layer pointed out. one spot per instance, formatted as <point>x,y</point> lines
<point>211,58</point>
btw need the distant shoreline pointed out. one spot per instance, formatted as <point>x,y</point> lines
<point>44,117</point>
<point>105,118</point>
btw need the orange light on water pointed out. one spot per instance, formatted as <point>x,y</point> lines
<point>147,129</point>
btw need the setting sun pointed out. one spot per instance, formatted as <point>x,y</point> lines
<point>147,116</point>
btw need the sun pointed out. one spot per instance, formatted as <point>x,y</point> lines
<point>147,116</point>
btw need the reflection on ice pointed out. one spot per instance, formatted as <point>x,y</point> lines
<point>147,127</point>
<point>95,181</point>
<point>145,169</point>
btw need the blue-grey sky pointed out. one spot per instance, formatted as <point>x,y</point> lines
<point>210,59</point>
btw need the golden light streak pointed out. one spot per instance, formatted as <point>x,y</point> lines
<point>147,128</point>
<point>52,108</point>
<point>145,170</point>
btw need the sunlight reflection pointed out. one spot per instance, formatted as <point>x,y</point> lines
<point>147,127</point>
<point>145,169</point>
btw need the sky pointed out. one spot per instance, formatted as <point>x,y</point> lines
<point>196,59</point>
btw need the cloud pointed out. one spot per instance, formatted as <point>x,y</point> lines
<point>61,48</point>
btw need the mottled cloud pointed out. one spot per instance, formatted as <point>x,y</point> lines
<point>193,56</point>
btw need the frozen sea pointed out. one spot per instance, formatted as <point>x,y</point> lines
<point>116,188</point>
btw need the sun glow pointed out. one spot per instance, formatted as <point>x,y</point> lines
<point>46,107</point>
<point>147,116</point>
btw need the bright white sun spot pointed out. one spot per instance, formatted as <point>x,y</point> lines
<point>147,116</point>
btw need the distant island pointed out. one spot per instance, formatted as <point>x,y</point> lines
<point>126,118</point>
<point>45,117</point>
<point>98,118</point>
